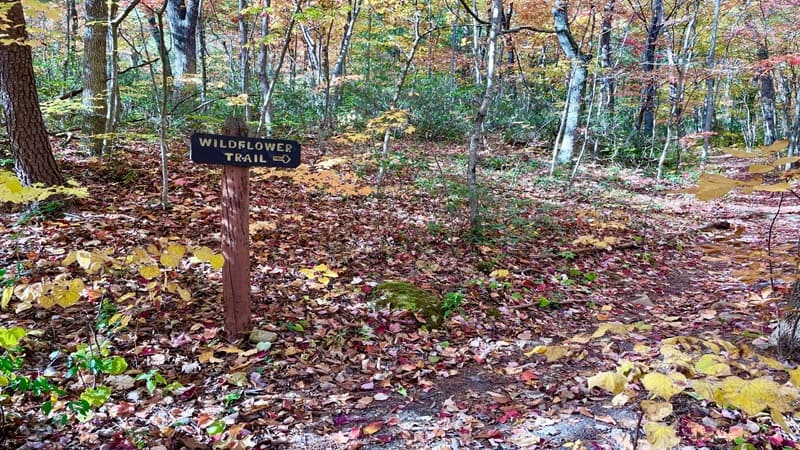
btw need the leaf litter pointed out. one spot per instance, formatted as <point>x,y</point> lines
<point>560,291</point>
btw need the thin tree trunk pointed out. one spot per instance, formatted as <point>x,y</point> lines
<point>266,101</point>
<point>767,91</point>
<point>476,134</point>
<point>263,63</point>
<point>113,97</point>
<point>244,57</point>
<point>646,118</point>
<point>341,58</point>
<point>606,56</point>
<point>476,54</point>
<point>71,35</point>
<point>401,81</point>
<point>577,85</point>
<point>201,36</point>
<point>708,121</point>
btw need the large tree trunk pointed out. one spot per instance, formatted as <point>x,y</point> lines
<point>30,148</point>
<point>182,15</point>
<point>646,119</point>
<point>577,84</point>
<point>94,76</point>
<point>476,134</point>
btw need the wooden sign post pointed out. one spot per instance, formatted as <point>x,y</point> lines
<point>237,153</point>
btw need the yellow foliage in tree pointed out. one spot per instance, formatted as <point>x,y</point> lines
<point>325,180</point>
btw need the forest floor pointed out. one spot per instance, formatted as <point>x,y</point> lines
<point>562,285</point>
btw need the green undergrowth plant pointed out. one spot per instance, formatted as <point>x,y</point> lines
<point>95,274</point>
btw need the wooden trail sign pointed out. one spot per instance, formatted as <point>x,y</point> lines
<point>244,151</point>
<point>237,153</point>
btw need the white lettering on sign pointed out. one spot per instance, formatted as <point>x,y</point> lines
<point>235,144</point>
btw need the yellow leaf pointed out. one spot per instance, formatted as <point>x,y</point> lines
<point>581,339</point>
<point>185,294</point>
<point>172,257</point>
<point>611,327</point>
<point>7,294</point>
<point>712,365</point>
<point>309,273</point>
<point>778,418</point>
<point>84,259</point>
<point>776,146</point>
<point>750,396</point>
<point>656,411</point>
<point>794,376</point>
<point>556,352</point>
<point>664,386</point>
<point>139,256</point>
<point>760,168</point>
<point>660,435</point>
<point>66,299</point>
<point>71,258</point>
<point>238,379</point>
<point>149,272</point>
<point>620,399</point>
<point>772,363</point>
<point>539,350</point>
<point>786,160</point>
<point>46,301</point>
<point>324,280</point>
<point>610,381</point>
<point>708,390</point>
<point>499,273</point>
<point>207,357</point>
<point>217,261</point>
<point>321,268</point>
<point>777,187</point>
<point>733,151</point>
<point>372,428</point>
<point>203,253</point>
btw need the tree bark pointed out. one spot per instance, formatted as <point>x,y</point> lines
<point>94,76</point>
<point>341,58</point>
<point>30,147</point>
<point>182,15</point>
<point>646,119</point>
<point>577,85</point>
<point>476,134</point>
<point>606,56</point>
<point>708,120</point>
<point>244,56</point>
<point>767,91</point>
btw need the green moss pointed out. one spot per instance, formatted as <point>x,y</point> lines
<point>406,296</point>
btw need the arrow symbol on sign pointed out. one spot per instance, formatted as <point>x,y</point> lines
<point>282,158</point>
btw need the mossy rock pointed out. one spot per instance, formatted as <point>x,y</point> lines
<point>406,296</point>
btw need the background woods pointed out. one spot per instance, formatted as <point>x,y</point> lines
<point>637,83</point>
